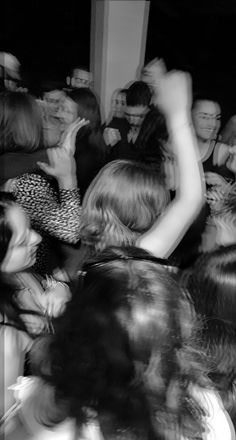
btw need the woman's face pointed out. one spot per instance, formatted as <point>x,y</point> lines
<point>67,113</point>
<point>118,104</point>
<point>206,117</point>
<point>21,253</point>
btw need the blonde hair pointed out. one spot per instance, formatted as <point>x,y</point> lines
<point>121,203</point>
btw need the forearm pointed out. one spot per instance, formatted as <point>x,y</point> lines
<point>170,227</point>
<point>191,181</point>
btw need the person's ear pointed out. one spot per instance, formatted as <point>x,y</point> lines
<point>68,80</point>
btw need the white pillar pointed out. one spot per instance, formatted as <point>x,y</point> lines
<point>118,43</point>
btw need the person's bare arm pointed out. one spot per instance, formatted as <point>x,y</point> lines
<point>174,100</point>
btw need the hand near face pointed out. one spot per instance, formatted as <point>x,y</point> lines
<point>69,136</point>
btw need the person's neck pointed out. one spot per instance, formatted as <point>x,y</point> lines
<point>203,146</point>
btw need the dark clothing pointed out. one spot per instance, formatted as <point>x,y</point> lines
<point>15,164</point>
<point>122,149</point>
<point>90,157</point>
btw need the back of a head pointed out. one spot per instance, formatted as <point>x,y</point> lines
<point>138,94</point>
<point>20,123</point>
<point>116,348</point>
<point>122,202</point>
<point>88,106</point>
<point>152,139</point>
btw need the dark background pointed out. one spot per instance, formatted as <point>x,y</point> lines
<point>200,37</point>
<point>197,36</point>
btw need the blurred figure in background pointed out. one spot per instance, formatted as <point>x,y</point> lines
<point>118,103</point>
<point>123,133</point>
<point>90,148</point>
<point>53,96</point>
<point>9,71</point>
<point>79,77</point>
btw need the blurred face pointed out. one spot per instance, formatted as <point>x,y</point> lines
<point>118,104</point>
<point>54,100</point>
<point>206,117</point>
<point>231,161</point>
<point>21,253</point>
<point>81,78</point>
<point>135,115</point>
<point>67,113</point>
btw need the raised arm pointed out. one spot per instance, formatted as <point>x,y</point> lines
<point>173,92</point>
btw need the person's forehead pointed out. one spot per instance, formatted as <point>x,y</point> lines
<point>207,107</point>
<point>81,74</point>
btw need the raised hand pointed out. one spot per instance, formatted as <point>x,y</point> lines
<point>174,93</point>
<point>68,139</point>
<point>153,72</point>
<point>62,166</point>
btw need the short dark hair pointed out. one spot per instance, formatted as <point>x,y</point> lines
<point>204,96</point>
<point>138,94</point>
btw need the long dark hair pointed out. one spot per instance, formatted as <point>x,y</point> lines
<point>10,312</point>
<point>212,285</point>
<point>122,349</point>
<point>151,140</point>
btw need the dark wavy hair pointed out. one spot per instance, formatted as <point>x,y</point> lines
<point>151,140</point>
<point>124,349</point>
<point>20,123</point>
<point>110,219</point>
<point>212,285</point>
<point>8,305</point>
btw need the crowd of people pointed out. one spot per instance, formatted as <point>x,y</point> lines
<point>117,260</point>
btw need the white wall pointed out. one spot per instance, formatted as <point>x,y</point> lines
<point>118,42</point>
